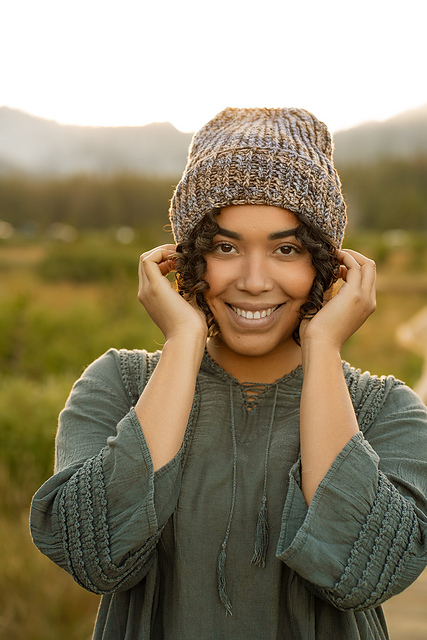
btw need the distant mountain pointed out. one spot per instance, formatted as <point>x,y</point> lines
<point>403,136</point>
<point>42,147</point>
<point>32,145</point>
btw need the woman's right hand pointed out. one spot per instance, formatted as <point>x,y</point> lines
<point>166,307</point>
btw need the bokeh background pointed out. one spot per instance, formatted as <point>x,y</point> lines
<point>97,105</point>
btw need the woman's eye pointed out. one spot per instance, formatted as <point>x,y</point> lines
<point>224,247</point>
<point>287,250</point>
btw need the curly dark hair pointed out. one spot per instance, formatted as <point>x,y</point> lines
<point>191,266</point>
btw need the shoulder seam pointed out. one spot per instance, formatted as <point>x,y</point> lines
<point>373,395</point>
<point>132,365</point>
<point>136,367</point>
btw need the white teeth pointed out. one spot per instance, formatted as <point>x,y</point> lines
<point>254,315</point>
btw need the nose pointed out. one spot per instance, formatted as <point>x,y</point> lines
<point>254,277</point>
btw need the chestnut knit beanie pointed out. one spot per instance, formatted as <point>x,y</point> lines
<point>280,157</point>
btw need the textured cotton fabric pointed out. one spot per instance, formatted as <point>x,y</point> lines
<point>149,542</point>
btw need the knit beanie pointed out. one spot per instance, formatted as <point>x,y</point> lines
<point>280,157</point>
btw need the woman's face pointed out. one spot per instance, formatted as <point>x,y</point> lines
<point>259,275</point>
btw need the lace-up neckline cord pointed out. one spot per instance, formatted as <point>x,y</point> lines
<point>251,399</point>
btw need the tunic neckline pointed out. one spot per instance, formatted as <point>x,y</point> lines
<point>223,373</point>
<point>252,392</point>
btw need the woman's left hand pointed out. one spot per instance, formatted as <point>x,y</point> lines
<point>344,313</point>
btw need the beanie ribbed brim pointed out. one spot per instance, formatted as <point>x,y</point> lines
<point>259,176</point>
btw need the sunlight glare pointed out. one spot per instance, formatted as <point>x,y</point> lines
<point>100,64</point>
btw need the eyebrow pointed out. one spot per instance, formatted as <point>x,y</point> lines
<point>277,235</point>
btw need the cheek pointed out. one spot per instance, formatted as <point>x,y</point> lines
<point>299,282</point>
<point>308,275</point>
<point>218,276</point>
<point>306,286</point>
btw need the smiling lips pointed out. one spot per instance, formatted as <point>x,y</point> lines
<point>254,315</point>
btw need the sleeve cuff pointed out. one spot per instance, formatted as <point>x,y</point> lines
<point>316,541</point>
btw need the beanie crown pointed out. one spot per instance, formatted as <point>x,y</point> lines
<point>280,157</point>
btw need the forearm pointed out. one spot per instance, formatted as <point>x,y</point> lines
<point>327,420</point>
<point>82,518</point>
<point>165,405</point>
<point>361,542</point>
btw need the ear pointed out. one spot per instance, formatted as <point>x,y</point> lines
<point>332,291</point>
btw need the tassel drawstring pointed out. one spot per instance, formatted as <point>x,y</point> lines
<point>222,586</point>
<point>261,531</point>
<point>261,536</point>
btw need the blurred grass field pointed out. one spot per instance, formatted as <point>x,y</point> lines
<point>62,305</point>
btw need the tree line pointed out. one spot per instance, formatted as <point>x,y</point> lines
<point>389,194</point>
<point>85,201</point>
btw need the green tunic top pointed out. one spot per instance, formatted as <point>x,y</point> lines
<point>150,542</point>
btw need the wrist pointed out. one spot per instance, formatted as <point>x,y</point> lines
<point>320,352</point>
<point>187,344</point>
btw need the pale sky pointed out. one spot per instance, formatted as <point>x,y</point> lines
<point>130,62</point>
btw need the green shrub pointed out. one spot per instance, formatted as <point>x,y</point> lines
<point>89,262</point>
<point>28,420</point>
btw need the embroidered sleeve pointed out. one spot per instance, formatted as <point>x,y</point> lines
<point>364,537</point>
<point>101,515</point>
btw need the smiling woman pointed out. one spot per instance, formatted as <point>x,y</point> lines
<point>244,482</point>
<point>257,286</point>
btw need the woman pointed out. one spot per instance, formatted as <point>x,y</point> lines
<point>243,482</point>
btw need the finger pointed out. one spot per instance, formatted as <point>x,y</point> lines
<point>360,276</point>
<point>358,267</point>
<point>157,258</point>
<point>369,271</point>
<point>350,269</point>
<point>350,257</point>
<point>158,254</point>
<point>167,266</point>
